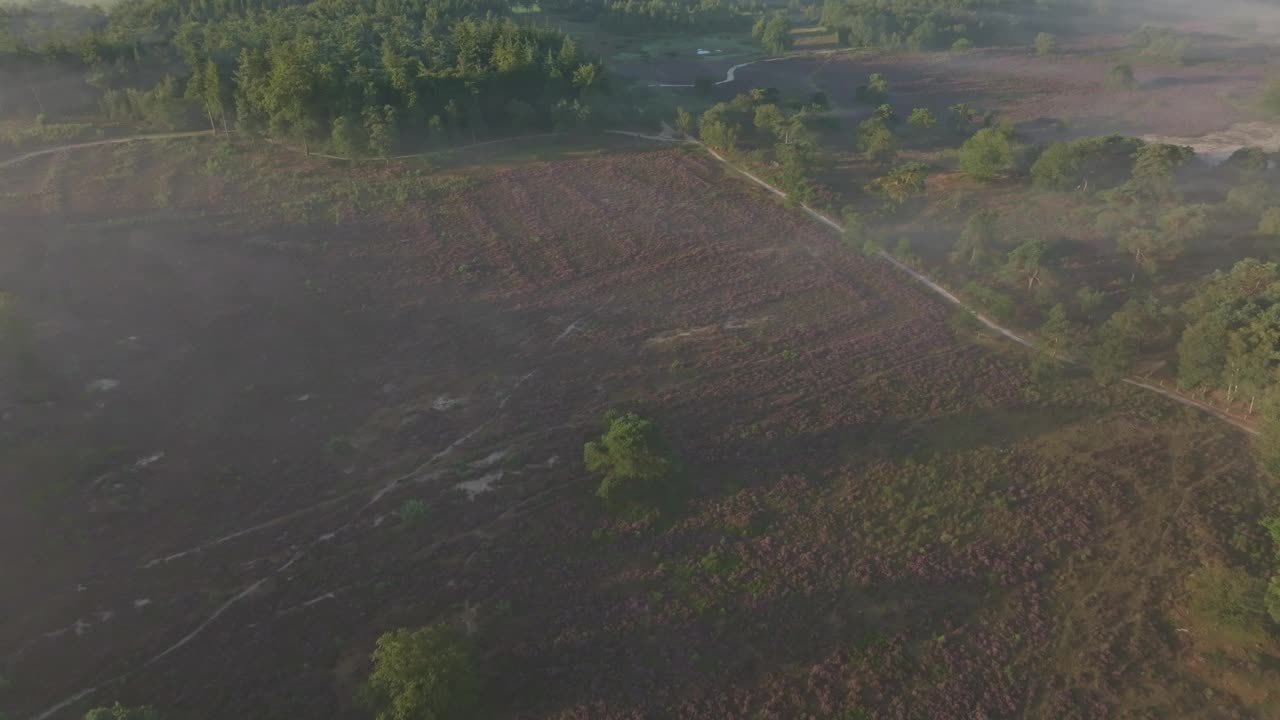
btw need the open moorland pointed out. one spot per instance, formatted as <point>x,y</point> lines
<point>277,406</point>
<point>1211,93</point>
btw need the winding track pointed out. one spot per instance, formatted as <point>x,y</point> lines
<point>98,143</point>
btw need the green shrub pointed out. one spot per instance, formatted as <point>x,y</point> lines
<point>855,231</point>
<point>1227,600</point>
<point>636,465</point>
<point>121,712</point>
<point>921,119</point>
<point>1251,199</point>
<point>426,673</point>
<point>414,512</point>
<point>999,306</point>
<point>1046,44</point>
<point>987,154</point>
<point>1120,78</point>
<point>1057,168</point>
<point>1272,600</point>
<point>962,45</point>
<point>1090,299</point>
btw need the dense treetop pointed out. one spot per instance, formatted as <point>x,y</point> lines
<point>356,73</point>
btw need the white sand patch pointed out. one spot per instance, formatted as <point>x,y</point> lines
<point>447,402</point>
<point>1217,146</point>
<point>491,459</point>
<point>673,335</point>
<point>148,460</point>
<point>482,484</point>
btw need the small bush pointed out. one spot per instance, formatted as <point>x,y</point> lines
<point>1227,600</point>
<point>1120,78</point>
<point>987,154</point>
<point>1046,44</point>
<point>962,45</point>
<point>1090,299</point>
<point>921,119</point>
<point>994,303</point>
<point>854,233</point>
<point>414,512</point>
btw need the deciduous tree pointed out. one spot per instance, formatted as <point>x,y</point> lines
<point>1046,44</point>
<point>1027,263</point>
<point>635,464</point>
<point>987,154</point>
<point>426,673</point>
<point>921,119</point>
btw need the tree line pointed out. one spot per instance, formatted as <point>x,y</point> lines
<point>636,15</point>
<point>355,75</point>
<point>928,24</point>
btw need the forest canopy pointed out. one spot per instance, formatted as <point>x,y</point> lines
<point>359,74</point>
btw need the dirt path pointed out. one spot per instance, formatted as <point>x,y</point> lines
<point>666,136</point>
<point>98,143</point>
<point>428,153</point>
<point>732,73</point>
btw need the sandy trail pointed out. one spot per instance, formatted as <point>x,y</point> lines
<point>99,143</point>
<point>666,136</point>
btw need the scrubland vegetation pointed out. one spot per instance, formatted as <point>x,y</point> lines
<point>291,436</point>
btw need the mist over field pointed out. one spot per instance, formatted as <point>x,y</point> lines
<point>840,360</point>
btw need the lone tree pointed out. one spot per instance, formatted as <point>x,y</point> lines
<point>684,121</point>
<point>1046,44</point>
<point>426,673</point>
<point>921,119</point>
<point>636,465</point>
<point>876,91</point>
<point>877,140</point>
<point>1058,334</point>
<point>776,35</point>
<point>987,154</point>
